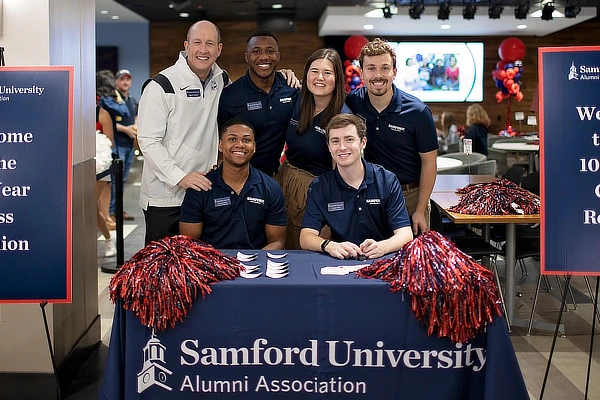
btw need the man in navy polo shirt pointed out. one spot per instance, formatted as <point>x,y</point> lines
<point>245,208</point>
<point>263,98</point>
<point>400,128</point>
<point>361,202</point>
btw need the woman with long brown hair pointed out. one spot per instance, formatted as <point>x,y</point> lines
<point>307,154</point>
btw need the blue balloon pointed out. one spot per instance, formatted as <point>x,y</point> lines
<point>352,87</point>
<point>500,84</point>
<point>508,65</point>
<point>356,80</point>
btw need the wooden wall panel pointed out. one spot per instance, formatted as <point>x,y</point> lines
<point>167,39</point>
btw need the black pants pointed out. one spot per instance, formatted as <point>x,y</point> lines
<point>161,222</point>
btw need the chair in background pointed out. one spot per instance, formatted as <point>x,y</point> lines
<point>514,174</point>
<point>531,182</point>
<point>501,160</point>
<point>487,167</point>
<point>452,148</point>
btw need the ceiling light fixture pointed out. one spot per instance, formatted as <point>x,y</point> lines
<point>469,9</point>
<point>179,4</point>
<point>444,9</point>
<point>387,11</point>
<point>522,9</point>
<point>495,9</point>
<point>416,9</point>
<point>277,6</point>
<point>572,8</point>
<point>547,10</point>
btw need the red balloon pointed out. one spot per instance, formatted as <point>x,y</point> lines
<point>508,83</point>
<point>510,73</point>
<point>519,96</point>
<point>346,63</point>
<point>498,96</point>
<point>511,49</point>
<point>354,45</point>
<point>501,74</point>
<point>500,64</point>
<point>352,70</point>
<point>515,88</point>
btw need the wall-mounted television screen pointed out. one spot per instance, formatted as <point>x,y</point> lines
<point>440,72</point>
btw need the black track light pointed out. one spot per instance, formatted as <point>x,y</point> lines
<point>547,10</point>
<point>469,9</point>
<point>387,12</point>
<point>522,9</point>
<point>444,10</point>
<point>495,10</point>
<point>572,9</point>
<point>416,9</point>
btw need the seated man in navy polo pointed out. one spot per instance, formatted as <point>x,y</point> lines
<point>361,202</point>
<point>245,207</point>
<point>263,98</point>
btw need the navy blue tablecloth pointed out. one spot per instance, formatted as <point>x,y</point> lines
<point>306,336</point>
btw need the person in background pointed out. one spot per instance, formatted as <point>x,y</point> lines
<point>478,122</point>
<point>360,201</point>
<point>449,131</point>
<point>177,129</point>
<point>400,128</point>
<point>108,98</point>
<point>245,208</point>
<point>125,136</point>
<point>263,98</point>
<point>104,125</point>
<point>438,74</point>
<point>307,156</point>
<point>452,73</point>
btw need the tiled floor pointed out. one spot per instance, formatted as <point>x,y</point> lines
<point>567,376</point>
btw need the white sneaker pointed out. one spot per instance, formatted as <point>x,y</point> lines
<point>109,248</point>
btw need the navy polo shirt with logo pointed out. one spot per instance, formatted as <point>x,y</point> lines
<point>231,221</point>
<point>268,113</point>
<point>398,134</point>
<point>309,151</point>
<point>374,211</point>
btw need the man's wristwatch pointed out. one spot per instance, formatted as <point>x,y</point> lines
<point>324,244</point>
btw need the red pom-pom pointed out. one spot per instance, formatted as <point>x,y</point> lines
<point>161,281</point>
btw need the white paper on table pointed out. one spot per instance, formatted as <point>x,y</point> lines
<point>342,269</point>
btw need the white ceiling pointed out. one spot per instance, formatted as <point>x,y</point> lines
<point>345,21</point>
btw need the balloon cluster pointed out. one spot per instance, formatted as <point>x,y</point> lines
<point>352,48</point>
<point>508,70</point>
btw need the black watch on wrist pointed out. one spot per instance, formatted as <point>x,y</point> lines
<point>324,244</point>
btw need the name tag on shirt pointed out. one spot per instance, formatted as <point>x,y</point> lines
<point>255,105</point>
<point>285,100</point>
<point>192,93</point>
<point>339,206</point>
<point>374,202</point>
<point>320,130</point>
<point>222,202</point>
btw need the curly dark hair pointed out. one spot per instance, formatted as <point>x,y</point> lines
<point>105,83</point>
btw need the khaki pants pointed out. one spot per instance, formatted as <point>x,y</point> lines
<point>411,197</point>
<point>294,183</point>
